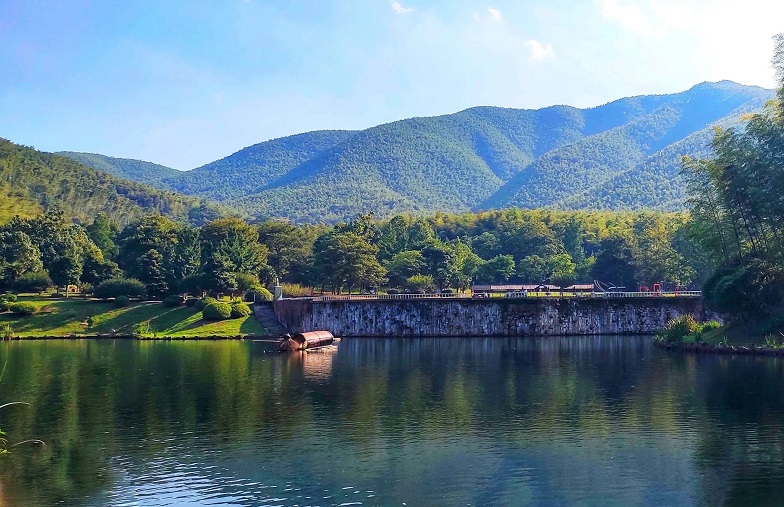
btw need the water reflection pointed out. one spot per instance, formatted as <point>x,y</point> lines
<point>552,421</point>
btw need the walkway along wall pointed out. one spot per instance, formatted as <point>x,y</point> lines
<point>478,317</point>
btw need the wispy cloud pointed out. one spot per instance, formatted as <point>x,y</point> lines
<point>495,14</point>
<point>538,51</point>
<point>630,16</point>
<point>400,9</point>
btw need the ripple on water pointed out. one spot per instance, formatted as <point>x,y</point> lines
<point>384,422</point>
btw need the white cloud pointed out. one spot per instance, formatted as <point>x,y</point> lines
<point>630,16</point>
<point>495,13</point>
<point>538,51</point>
<point>400,9</point>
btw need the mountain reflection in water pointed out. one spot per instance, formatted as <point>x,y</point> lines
<point>546,421</point>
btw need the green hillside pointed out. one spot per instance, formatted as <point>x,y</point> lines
<point>652,143</point>
<point>36,180</point>
<point>621,155</point>
<point>126,168</point>
<point>13,202</point>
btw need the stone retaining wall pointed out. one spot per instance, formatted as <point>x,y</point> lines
<point>477,317</point>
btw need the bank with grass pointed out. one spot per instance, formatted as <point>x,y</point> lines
<point>757,337</point>
<point>81,317</point>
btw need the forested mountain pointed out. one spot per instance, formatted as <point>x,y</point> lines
<point>622,155</point>
<point>35,181</point>
<point>127,168</point>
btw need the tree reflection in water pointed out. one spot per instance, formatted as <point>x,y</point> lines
<point>483,421</point>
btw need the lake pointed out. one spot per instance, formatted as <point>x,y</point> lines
<point>529,421</point>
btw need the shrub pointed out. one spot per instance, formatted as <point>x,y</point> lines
<point>678,329</point>
<point>6,300</point>
<point>295,290</point>
<point>87,288</point>
<point>258,293</point>
<point>246,282</point>
<point>709,326</point>
<point>121,301</point>
<point>115,287</point>
<point>217,311</point>
<point>420,283</point>
<point>193,284</point>
<point>23,308</point>
<point>239,310</point>
<point>33,281</point>
<point>144,329</point>
<point>172,301</point>
<point>201,303</point>
<point>190,302</point>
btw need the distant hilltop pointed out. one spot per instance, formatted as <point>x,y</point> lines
<point>621,155</point>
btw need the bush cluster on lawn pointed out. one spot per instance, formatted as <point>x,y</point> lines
<point>33,281</point>
<point>239,309</point>
<point>203,302</point>
<point>217,310</point>
<point>23,308</point>
<point>6,300</point>
<point>172,301</point>
<point>115,287</point>
<point>121,301</point>
<point>258,293</point>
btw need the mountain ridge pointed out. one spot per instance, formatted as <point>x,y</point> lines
<point>36,181</point>
<point>479,158</point>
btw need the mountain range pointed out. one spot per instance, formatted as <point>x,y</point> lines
<point>622,155</point>
<point>32,181</point>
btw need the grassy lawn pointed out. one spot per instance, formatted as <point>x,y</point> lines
<point>62,317</point>
<point>752,333</point>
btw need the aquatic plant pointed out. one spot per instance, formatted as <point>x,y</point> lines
<point>685,329</point>
<point>677,329</point>
<point>774,341</point>
<point>144,329</point>
<point>4,446</point>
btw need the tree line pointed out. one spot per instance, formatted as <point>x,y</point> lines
<point>737,209</point>
<point>404,253</point>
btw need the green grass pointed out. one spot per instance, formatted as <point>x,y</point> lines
<point>749,333</point>
<point>63,317</point>
<point>12,205</point>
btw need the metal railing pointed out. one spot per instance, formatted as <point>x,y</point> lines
<point>373,297</point>
<point>532,295</point>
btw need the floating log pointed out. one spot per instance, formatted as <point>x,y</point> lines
<point>305,341</point>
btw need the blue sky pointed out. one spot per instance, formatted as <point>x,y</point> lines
<point>185,83</point>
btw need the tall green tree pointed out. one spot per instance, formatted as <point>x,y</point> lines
<point>18,255</point>
<point>103,232</point>
<point>288,246</point>
<point>499,269</point>
<point>346,260</point>
<point>403,266</point>
<point>230,246</point>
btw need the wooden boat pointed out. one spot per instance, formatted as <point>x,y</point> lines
<point>311,340</point>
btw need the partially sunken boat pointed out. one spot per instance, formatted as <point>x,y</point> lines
<point>312,340</point>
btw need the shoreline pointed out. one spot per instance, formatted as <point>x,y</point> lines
<point>708,348</point>
<point>275,339</point>
<point>264,338</point>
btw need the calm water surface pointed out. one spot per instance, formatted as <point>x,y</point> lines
<point>554,421</point>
